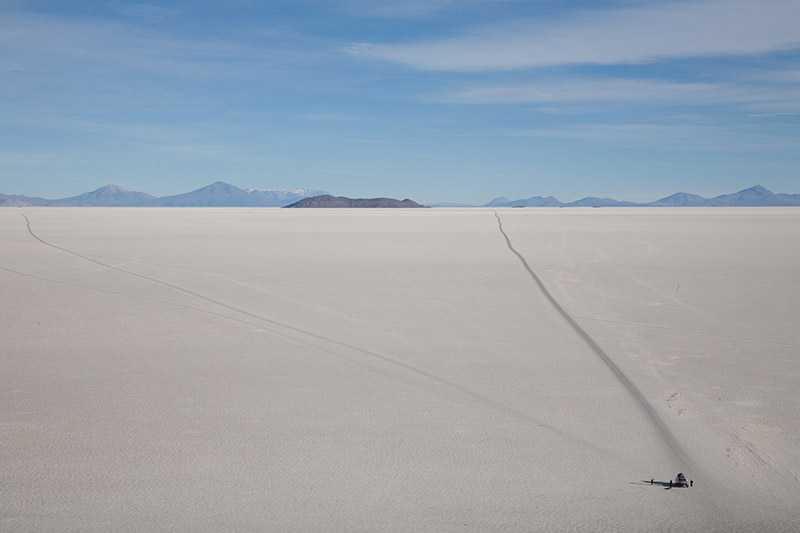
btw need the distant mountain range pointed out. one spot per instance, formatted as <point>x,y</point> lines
<point>221,194</point>
<point>754,196</point>
<point>217,194</point>
<point>340,201</point>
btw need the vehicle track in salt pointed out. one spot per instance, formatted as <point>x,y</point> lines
<point>477,397</point>
<point>723,503</point>
<point>664,433</point>
<point>519,309</point>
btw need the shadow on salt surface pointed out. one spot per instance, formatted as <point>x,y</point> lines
<point>667,485</point>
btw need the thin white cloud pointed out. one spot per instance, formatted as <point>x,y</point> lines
<point>101,48</point>
<point>772,115</point>
<point>683,137</point>
<point>578,90</point>
<point>409,9</point>
<point>395,9</point>
<point>753,96</point>
<point>101,70</point>
<point>150,12</point>
<point>617,36</point>
<point>331,117</point>
<point>778,76</point>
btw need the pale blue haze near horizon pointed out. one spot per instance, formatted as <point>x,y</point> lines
<point>435,100</point>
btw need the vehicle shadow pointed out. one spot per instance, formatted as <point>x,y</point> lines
<point>666,485</point>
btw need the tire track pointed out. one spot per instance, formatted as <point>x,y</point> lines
<point>476,397</point>
<point>328,287</point>
<point>133,296</point>
<point>664,433</point>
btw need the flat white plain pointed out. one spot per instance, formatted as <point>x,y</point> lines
<point>399,370</point>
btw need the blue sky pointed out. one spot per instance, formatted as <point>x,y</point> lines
<point>435,100</point>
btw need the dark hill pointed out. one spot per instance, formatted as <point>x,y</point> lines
<point>341,201</point>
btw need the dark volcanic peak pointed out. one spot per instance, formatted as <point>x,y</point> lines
<point>326,201</point>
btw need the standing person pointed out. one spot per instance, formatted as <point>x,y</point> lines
<point>651,481</point>
<point>691,483</point>
<point>670,483</point>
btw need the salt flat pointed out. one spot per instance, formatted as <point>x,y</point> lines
<point>399,370</point>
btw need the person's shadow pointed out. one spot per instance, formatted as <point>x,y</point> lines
<point>666,485</point>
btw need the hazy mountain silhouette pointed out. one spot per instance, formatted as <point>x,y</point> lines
<point>107,196</point>
<point>217,194</point>
<point>594,201</point>
<point>16,200</point>
<point>533,201</point>
<point>110,195</point>
<point>220,194</point>
<point>681,199</point>
<point>754,196</point>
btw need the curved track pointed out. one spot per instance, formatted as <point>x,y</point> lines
<point>633,391</point>
<point>292,332</point>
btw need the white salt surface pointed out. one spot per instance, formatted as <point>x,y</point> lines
<point>399,370</point>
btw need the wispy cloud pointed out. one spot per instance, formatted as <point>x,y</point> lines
<point>402,9</point>
<point>103,48</point>
<point>587,90</point>
<point>608,37</point>
<point>331,117</point>
<point>778,76</point>
<point>150,12</point>
<point>101,76</point>
<point>753,96</point>
<point>679,136</point>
